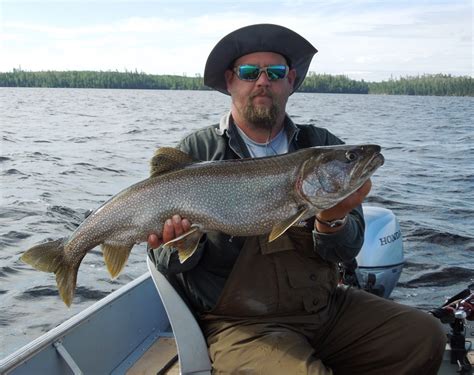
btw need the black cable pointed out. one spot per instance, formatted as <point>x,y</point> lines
<point>168,365</point>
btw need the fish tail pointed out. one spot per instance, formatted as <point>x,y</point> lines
<point>50,257</point>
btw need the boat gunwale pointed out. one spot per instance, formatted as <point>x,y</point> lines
<point>32,348</point>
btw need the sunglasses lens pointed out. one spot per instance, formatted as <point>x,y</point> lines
<point>252,72</point>
<point>276,72</point>
<point>248,72</point>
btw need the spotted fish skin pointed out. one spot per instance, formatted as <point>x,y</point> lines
<point>238,197</point>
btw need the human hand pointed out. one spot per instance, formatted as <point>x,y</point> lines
<point>342,209</point>
<point>172,228</point>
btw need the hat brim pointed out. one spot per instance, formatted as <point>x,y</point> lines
<point>258,38</point>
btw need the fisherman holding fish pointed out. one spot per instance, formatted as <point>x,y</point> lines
<point>276,307</point>
<point>253,235</point>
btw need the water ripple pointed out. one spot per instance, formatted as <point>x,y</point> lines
<point>443,277</point>
<point>94,143</point>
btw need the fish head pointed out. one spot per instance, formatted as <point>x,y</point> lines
<point>332,173</point>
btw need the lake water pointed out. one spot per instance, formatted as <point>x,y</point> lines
<point>65,151</point>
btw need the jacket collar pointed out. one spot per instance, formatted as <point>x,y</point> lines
<point>226,127</point>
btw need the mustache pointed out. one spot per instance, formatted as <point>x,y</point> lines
<point>261,92</point>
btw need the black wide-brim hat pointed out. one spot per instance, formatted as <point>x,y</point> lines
<point>258,38</point>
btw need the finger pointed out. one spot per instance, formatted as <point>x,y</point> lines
<point>154,241</point>
<point>178,226</point>
<point>186,225</point>
<point>168,231</point>
<point>357,197</point>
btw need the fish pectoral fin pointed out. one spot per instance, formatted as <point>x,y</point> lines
<point>167,159</point>
<point>283,226</point>
<point>115,257</point>
<point>186,244</point>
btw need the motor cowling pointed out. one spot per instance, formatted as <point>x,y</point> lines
<point>380,261</point>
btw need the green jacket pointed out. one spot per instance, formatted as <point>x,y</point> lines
<point>204,274</point>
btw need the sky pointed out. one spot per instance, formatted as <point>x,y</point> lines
<point>362,39</point>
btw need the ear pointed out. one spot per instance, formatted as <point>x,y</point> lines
<point>228,75</point>
<point>291,77</point>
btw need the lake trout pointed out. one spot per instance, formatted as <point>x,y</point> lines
<point>238,197</point>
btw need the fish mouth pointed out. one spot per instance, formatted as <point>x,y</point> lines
<point>368,168</point>
<point>376,161</point>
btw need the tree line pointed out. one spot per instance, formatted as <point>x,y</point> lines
<point>428,84</point>
<point>333,84</point>
<point>99,80</point>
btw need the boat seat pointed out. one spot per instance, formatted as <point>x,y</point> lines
<point>192,348</point>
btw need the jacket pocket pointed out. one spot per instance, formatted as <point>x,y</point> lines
<point>282,243</point>
<point>300,286</point>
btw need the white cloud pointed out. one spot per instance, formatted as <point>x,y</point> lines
<point>362,39</point>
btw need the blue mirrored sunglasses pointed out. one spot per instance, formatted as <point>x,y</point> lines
<point>252,72</point>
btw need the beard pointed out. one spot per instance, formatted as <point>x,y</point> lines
<point>261,116</point>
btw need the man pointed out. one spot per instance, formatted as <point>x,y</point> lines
<point>276,308</point>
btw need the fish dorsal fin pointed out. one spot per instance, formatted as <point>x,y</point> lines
<point>115,257</point>
<point>167,159</point>
<point>186,244</point>
<point>282,227</point>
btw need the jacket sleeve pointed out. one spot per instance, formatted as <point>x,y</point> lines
<point>344,245</point>
<point>167,262</point>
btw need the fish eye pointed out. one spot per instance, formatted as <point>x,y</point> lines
<point>351,156</point>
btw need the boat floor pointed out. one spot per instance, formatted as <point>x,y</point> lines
<point>160,358</point>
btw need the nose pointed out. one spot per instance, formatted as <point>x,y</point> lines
<point>263,80</point>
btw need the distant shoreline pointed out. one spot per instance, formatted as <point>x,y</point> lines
<point>427,84</point>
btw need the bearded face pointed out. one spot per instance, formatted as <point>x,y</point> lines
<point>259,104</point>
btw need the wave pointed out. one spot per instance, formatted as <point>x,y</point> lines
<point>464,212</point>
<point>13,171</point>
<point>84,164</point>
<point>14,213</point>
<point>96,168</point>
<point>82,292</point>
<point>81,139</point>
<point>105,169</point>
<point>383,202</point>
<point>66,215</point>
<point>43,156</point>
<point>9,139</point>
<point>90,294</point>
<point>68,172</point>
<point>5,271</point>
<point>439,238</point>
<point>84,115</point>
<point>443,277</point>
<point>7,317</point>
<point>135,131</point>
<point>13,237</point>
<point>38,291</point>
<point>413,266</point>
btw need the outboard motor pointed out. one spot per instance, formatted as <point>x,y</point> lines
<point>380,261</point>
